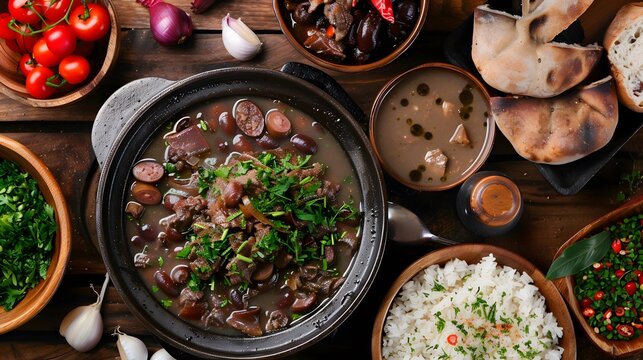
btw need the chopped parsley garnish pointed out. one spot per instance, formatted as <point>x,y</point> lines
<point>27,232</point>
<point>166,303</point>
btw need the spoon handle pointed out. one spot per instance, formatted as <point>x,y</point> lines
<point>440,240</point>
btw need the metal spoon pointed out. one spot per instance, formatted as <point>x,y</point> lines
<point>406,228</point>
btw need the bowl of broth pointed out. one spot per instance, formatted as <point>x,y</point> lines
<point>240,209</point>
<point>430,127</point>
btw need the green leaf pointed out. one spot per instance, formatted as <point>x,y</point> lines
<point>580,255</point>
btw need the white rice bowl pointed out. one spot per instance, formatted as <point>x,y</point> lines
<point>478,311</point>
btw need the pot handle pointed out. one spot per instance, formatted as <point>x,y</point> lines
<point>328,85</point>
<point>117,111</point>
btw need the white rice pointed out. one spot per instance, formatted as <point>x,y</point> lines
<point>460,299</point>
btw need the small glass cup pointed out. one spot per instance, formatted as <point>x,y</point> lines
<point>489,204</point>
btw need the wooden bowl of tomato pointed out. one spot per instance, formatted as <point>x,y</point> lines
<point>53,53</point>
<point>614,282</point>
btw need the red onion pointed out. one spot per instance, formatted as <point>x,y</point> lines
<point>169,24</point>
<point>200,6</point>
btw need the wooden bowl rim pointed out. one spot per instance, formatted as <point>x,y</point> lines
<point>38,297</point>
<point>485,151</point>
<point>618,348</point>
<point>108,63</point>
<point>554,301</point>
<point>399,50</point>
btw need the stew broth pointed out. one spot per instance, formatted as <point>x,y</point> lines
<point>262,291</point>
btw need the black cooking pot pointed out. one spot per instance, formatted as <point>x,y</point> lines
<point>125,126</point>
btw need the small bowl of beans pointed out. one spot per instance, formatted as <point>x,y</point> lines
<point>430,127</point>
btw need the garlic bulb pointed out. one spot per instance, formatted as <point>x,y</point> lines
<point>240,42</point>
<point>83,326</point>
<point>162,354</point>
<point>130,347</point>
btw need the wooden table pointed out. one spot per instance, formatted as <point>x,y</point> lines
<point>62,138</point>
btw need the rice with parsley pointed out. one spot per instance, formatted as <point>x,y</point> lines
<point>478,311</point>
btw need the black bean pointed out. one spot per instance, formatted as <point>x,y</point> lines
<point>304,143</point>
<point>166,284</point>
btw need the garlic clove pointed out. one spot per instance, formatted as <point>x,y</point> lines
<point>130,347</point>
<point>162,354</point>
<point>238,39</point>
<point>82,328</point>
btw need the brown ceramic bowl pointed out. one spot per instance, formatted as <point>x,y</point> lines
<point>284,20</point>
<point>103,58</point>
<point>473,253</point>
<point>401,151</point>
<point>39,296</point>
<point>566,285</point>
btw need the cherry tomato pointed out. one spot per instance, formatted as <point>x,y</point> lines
<point>616,246</point>
<point>61,40</point>
<point>639,276</point>
<point>588,312</point>
<point>26,42</point>
<point>452,339</point>
<point>638,326</point>
<point>90,23</point>
<point>24,11</point>
<point>599,295</point>
<point>625,330</point>
<point>609,327</point>
<point>55,10</point>
<point>619,273</point>
<point>630,288</point>
<point>43,55</point>
<point>586,302</point>
<point>37,83</point>
<point>619,311</point>
<point>26,64</point>
<point>13,45</point>
<point>607,314</point>
<point>597,266</point>
<point>5,31</point>
<point>74,69</point>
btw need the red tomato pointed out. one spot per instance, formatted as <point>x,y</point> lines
<point>74,69</point>
<point>616,246</point>
<point>630,288</point>
<point>24,11</point>
<point>619,273</point>
<point>26,42</point>
<point>588,312</point>
<point>26,64</point>
<point>13,45</point>
<point>597,266</point>
<point>90,24</point>
<point>37,83</point>
<point>586,302</point>
<point>639,276</point>
<point>43,55</point>
<point>452,339</point>
<point>5,31</point>
<point>61,40</point>
<point>55,10</point>
<point>599,295</point>
<point>625,330</point>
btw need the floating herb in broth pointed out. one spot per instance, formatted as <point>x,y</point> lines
<point>250,233</point>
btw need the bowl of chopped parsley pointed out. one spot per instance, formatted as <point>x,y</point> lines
<point>35,234</point>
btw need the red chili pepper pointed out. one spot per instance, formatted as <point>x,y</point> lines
<point>586,302</point>
<point>616,246</point>
<point>609,327</point>
<point>630,288</point>
<point>452,339</point>
<point>625,330</point>
<point>385,7</point>
<point>599,295</point>
<point>619,273</point>
<point>619,311</point>
<point>588,312</point>
<point>597,266</point>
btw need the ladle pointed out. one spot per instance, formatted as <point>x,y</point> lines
<point>406,228</point>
